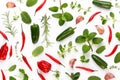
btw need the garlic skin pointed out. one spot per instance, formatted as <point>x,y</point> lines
<point>79,19</point>
<point>100,29</point>
<point>10,5</point>
<point>72,62</point>
<point>109,76</point>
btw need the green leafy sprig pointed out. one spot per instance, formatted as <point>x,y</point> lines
<point>63,49</point>
<point>73,76</point>
<point>61,16</point>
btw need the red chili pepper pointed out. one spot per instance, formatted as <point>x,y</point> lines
<point>10,54</point>
<point>3,51</point>
<point>92,17</point>
<point>4,35</point>
<point>110,34</point>
<point>86,69</point>
<point>23,39</point>
<point>112,52</point>
<point>44,66</point>
<point>3,75</point>
<point>40,6</point>
<point>54,59</point>
<point>26,61</point>
<point>41,76</point>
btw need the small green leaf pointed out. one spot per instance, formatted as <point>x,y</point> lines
<point>94,78</point>
<point>53,9</point>
<point>22,71</point>
<point>79,6</point>
<point>61,22</point>
<point>97,40</point>
<point>68,16</point>
<point>58,15</point>
<point>76,76</point>
<point>85,48</point>
<point>112,15</point>
<point>25,77</point>
<point>117,35</point>
<point>37,51</point>
<point>80,39</point>
<point>100,49</point>
<point>85,33</point>
<point>12,68</point>
<point>83,59</point>
<point>64,5</point>
<point>117,58</point>
<point>11,78</point>
<point>104,21</point>
<point>70,44</point>
<point>91,36</point>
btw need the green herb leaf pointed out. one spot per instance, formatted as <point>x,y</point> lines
<point>117,35</point>
<point>64,5</point>
<point>117,58</point>
<point>97,40</point>
<point>83,59</point>
<point>61,22</point>
<point>58,15</point>
<point>12,78</point>
<point>68,16</point>
<point>37,51</point>
<point>53,9</point>
<point>25,77</point>
<point>85,33</point>
<point>85,48</point>
<point>76,76</point>
<point>80,39</point>
<point>91,36</point>
<point>31,3</point>
<point>70,44</point>
<point>100,49</point>
<point>12,68</point>
<point>112,15</point>
<point>94,78</point>
<point>104,21</point>
<point>22,71</point>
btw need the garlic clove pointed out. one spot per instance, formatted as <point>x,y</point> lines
<point>109,76</point>
<point>100,29</point>
<point>72,62</point>
<point>79,19</point>
<point>10,5</point>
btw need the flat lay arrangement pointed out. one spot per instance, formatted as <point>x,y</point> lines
<point>59,40</point>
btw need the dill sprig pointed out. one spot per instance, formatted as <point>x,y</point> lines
<point>46,30</point>
<point>8,24</point>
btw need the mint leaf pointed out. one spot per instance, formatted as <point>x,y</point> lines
<point>68,16</point>
<point>91,36</point>
<point>57,15</point>
<point>53,9</point>
<point>64,5</point>
<point>85,48</point>
<point>80,39</point>
<point>100,49</point>
<point>97,40</point>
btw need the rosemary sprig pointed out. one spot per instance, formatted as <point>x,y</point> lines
<point>8,24</point>
<point>46,30</point>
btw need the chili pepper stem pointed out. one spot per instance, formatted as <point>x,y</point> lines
<point>62,65</point>
<point>90,46</point>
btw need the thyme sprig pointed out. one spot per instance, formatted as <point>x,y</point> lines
<point>46,30</point>
<point>8,24</point>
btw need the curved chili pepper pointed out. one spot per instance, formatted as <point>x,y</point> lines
<point>86,69</point>
<point>4,35</point>
<point>54,59</point>
<point>3,75</point>
<point>92,17</point>
<point>110,34</point>
<point>41,76</point>
<point>40,6</point>
<point>10,54</point>
<point>23,39</point>
<point>26,61</point>
<point>112,52</point>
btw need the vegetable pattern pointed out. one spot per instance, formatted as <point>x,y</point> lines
<point>37,36</point>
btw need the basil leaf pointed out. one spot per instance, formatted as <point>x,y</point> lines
<point>117,35</point>
<point>61,22</point>
<point>76,76</point>
<point>53,9</point>
<point>64,5</point>
<point>97,40</point>
<point>12,78</point>
<point>68,16</point>
<point>100,49</point>
<point>94,78</point>
<point>31,3</point>
<point>37,51</point>
<point>58,15</point>
<point>85,33</point>
<point>85,48</point>
<point>91,36</point>
<point>12,68</point>
<point>117,58</point>
<point>80,39</point>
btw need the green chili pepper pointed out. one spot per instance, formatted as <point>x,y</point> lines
<point>102,4</point>
<point>66,33</point>
<point>35,33</point>
<point>100,62</point>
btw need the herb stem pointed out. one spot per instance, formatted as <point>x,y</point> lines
<point>90,46</point>
<point>60,5</point>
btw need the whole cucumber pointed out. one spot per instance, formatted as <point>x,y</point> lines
<point>102,4</point>
<point>67,32</point>
<point>31,3</point>
<point>99,61</point>
<point>35,33</point>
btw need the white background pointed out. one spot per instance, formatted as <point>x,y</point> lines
<point>55,29</point>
